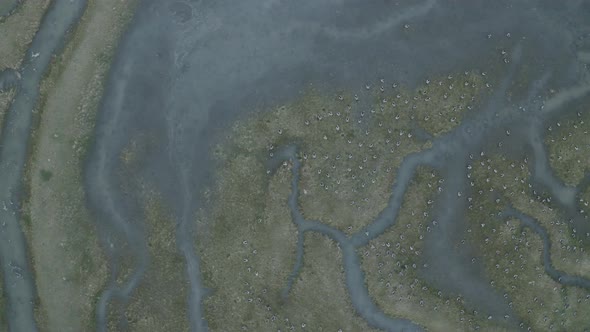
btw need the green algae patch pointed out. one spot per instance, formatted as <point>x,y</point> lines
<point>45,174</point>
<point>351,143</point>
<point>249,253</point>
<point>442,103</point>
<point>502,181</point>
<point>347,169</point>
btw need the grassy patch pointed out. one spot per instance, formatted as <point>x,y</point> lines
<point>46,175</point>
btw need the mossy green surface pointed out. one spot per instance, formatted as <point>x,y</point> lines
<point>351,143</point>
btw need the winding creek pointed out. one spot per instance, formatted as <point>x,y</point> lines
<point>18,282</point>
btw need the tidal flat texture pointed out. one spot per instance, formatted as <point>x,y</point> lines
<point>266,165</point>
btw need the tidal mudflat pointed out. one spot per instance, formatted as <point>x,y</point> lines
<point>311,166</point>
